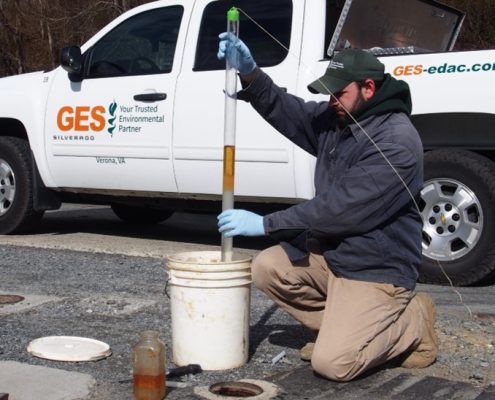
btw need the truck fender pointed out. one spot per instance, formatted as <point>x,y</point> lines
<point>43,198</point>
<point>459,129</point>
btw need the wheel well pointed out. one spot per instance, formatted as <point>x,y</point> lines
<point>13,127</point>
<point>456,129</point>
<point>43,198</point>
<point>489,153</point>
<point>467,131</point>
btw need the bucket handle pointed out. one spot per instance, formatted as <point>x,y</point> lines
<point>166,284</point>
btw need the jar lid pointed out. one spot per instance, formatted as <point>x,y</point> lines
<point>69,348</point>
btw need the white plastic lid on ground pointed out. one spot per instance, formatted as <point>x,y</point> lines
<point>69,348</point>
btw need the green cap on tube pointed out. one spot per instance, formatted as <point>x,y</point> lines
<point>233,14</point>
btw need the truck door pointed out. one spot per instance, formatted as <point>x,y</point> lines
<point>113,129</point>
<point>264,158</point>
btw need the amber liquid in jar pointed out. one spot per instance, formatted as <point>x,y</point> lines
<point>149,367</point>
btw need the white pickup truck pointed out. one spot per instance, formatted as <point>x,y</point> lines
<point>134,117</point>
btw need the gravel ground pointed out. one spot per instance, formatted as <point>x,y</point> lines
<point>113,298</point>
<point>467,351</point>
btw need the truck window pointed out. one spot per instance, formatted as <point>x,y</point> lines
<point>391,27</point>
<point>274,15</point>
<point>142,45</point>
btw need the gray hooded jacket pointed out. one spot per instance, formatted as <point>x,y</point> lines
<point>362,218</point>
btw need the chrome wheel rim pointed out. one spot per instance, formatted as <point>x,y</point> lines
<point>452,219</point>
<point>7,187</point>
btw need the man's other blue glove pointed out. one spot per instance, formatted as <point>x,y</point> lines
<point>240,222</point>
<point>236,52</point>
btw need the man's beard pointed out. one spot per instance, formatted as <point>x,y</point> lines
<point>358,104</point>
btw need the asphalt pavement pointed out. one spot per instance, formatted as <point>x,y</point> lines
<point>114,297</point>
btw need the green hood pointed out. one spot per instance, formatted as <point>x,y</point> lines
<point>393,96</point>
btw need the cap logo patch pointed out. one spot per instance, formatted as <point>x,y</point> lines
<point>335,65</point>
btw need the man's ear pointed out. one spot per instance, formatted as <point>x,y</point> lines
<point>368,88</point>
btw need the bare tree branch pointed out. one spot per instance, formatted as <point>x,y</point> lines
<point>33,31</point>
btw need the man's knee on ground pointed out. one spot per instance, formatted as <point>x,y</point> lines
<point>261,270</point>
<point>341,367</point>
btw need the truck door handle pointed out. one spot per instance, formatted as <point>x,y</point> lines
<point>150,96</point>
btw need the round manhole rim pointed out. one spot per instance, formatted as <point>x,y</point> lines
<point>485,315</point>
<point>235,389</point>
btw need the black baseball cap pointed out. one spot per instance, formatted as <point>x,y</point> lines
<point>349,65</point>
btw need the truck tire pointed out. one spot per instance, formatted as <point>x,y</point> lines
<point>16,186</point>
<point>140,215</point>
<point>458,210</point>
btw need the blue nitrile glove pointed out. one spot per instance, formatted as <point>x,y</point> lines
<point>240,222</point>
<point>237,53</point>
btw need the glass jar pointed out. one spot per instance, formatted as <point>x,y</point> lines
<point>149,367</point>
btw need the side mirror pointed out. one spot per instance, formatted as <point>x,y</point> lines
<point>71,61</point>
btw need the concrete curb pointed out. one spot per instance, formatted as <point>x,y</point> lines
<point>28,382</point>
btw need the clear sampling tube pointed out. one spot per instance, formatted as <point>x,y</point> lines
<point>229,133</point>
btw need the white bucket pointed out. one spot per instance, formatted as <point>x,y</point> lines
<point>210,302</point>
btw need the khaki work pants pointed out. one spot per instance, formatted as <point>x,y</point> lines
<point>361,324</point>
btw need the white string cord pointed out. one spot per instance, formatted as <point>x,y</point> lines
<point>317,77</point>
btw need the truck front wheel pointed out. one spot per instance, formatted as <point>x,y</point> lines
<point>16,186</point>
<point>457,208</point>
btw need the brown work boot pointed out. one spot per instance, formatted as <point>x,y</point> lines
<point>426,351</point>
<point>307,351</point>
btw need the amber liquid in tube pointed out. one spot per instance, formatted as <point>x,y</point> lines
<point>228,194</point>
<point>228,168</point>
